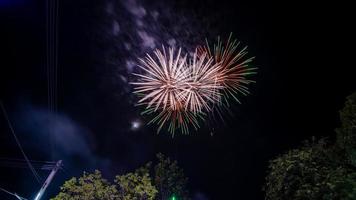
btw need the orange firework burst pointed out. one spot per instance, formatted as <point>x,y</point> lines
<point>233,70</point>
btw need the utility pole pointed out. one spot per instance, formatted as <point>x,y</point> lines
<point>48,180</point>
<point>18,197</point>
<point>13,194</point>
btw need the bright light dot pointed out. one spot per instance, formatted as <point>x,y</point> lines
<point>135,125</point>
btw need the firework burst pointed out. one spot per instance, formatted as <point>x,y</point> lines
<point>163,83</point>
<point>234,69</point>
<point>203,87</point>
<point>179,91</point>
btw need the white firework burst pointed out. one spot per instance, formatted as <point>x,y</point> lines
<point>176,90</point>
<point>162,85</point>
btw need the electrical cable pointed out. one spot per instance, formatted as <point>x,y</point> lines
<point>38,178</point>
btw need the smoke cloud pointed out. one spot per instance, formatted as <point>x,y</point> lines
<point>57,136</point>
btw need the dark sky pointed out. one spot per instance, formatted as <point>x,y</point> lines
<point>305,72</point>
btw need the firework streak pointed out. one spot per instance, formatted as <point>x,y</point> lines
<point>180,91</point>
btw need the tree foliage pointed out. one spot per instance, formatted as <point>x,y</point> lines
<point>170,179</point>
<point>136,185</point>
<point>309,173</point>
<point>318,170</point>
<point>346,134</point>
<point>89,187</point>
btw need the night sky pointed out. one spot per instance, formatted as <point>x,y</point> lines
<point>305,71</point>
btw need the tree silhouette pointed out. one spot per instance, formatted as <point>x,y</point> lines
<point>318,169</point>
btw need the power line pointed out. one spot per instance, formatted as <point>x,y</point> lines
<point>52,16</point>
<point>19,144</point>
<point>32,161</point>
<point>18,163</point>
